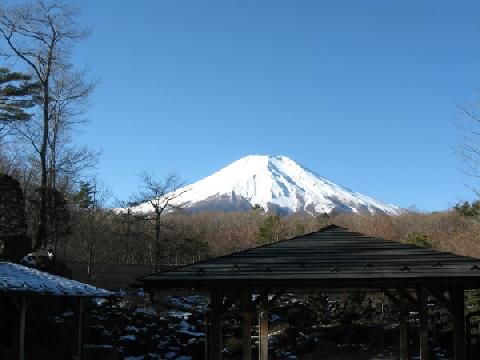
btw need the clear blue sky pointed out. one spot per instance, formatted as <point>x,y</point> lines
<point>365,93</point>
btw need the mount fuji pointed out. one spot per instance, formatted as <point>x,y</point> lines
<point>276,183</point>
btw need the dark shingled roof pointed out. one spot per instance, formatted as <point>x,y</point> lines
<point>332,257</point>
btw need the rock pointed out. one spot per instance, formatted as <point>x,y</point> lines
<point>99,352</point>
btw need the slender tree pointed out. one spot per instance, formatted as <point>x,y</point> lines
<point>58,217</point>
<point>70,97</point>
<point>41,33</point>
<point>91,198</point>
<point>160,196</point>
<point>128,228</point>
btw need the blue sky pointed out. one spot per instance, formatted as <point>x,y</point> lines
<point>365,93</point>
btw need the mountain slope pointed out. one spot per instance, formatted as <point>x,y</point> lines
<point>276,183</point>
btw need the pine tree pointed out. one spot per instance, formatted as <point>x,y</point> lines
<point>88,198</point>
<point>468,209</point>
<point>17,95</point>
<point>84,197</point>
<point>271,230</point>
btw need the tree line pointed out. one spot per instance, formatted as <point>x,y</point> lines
<point>129,238</point>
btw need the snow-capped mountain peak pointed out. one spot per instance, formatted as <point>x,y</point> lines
<point>276,183</point>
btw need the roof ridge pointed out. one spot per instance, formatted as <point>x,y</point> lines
<point>236,252</point>
<point>331,227</point>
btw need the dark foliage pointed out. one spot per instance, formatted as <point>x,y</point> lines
<point>468,209</point>
<point>271,230</point>
<point>13,228</point>
<point>58,216</point>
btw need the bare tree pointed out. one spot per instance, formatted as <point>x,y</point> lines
<point>469,148</point>
<point>40,34</point>
<point>127,228</point>
<point>160,196</point>
<point>70,99</point>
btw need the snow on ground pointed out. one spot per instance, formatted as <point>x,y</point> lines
<point>300,329</point>
<point>137,329</point>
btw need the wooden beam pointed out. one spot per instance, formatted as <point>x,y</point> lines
<point>468,339</point>
<point>263,327</point>
<point>207,334</point>
<point>23,315</point>
<point>404,353</point>
<point>423,322</point>
<point>81,308</point>
<point>441,298</point>
<point>392,297</point>
<point>458,304</point>
<point>215,327</point>
<point>409,298</point>
<point>247,326</point>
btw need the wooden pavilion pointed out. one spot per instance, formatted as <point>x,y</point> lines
<point>330,259</point>
<point>23,286</point>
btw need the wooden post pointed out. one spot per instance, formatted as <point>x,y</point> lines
<point>458,305</point>
<point>215,328</point>
<point>247,326</point>
<point>404,354</point>
<point>263,328</point>
<point>423,320</point>
<point>468,327</point>
<point>81,307</point>
<point>23,315</point>
<point>207,332</point>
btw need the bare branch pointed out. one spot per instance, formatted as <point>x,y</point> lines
<point>469,150</point>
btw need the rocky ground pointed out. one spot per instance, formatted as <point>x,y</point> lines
<point>301,327</point>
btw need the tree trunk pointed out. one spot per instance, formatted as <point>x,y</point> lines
<point>92,235</point>
<point>90,254</point>
<point>41,237</point>
<point>156,248</point>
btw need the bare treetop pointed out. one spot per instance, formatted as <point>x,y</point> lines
<point>41,33</point>
<point>469,149</point>
<point>159,193</point>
